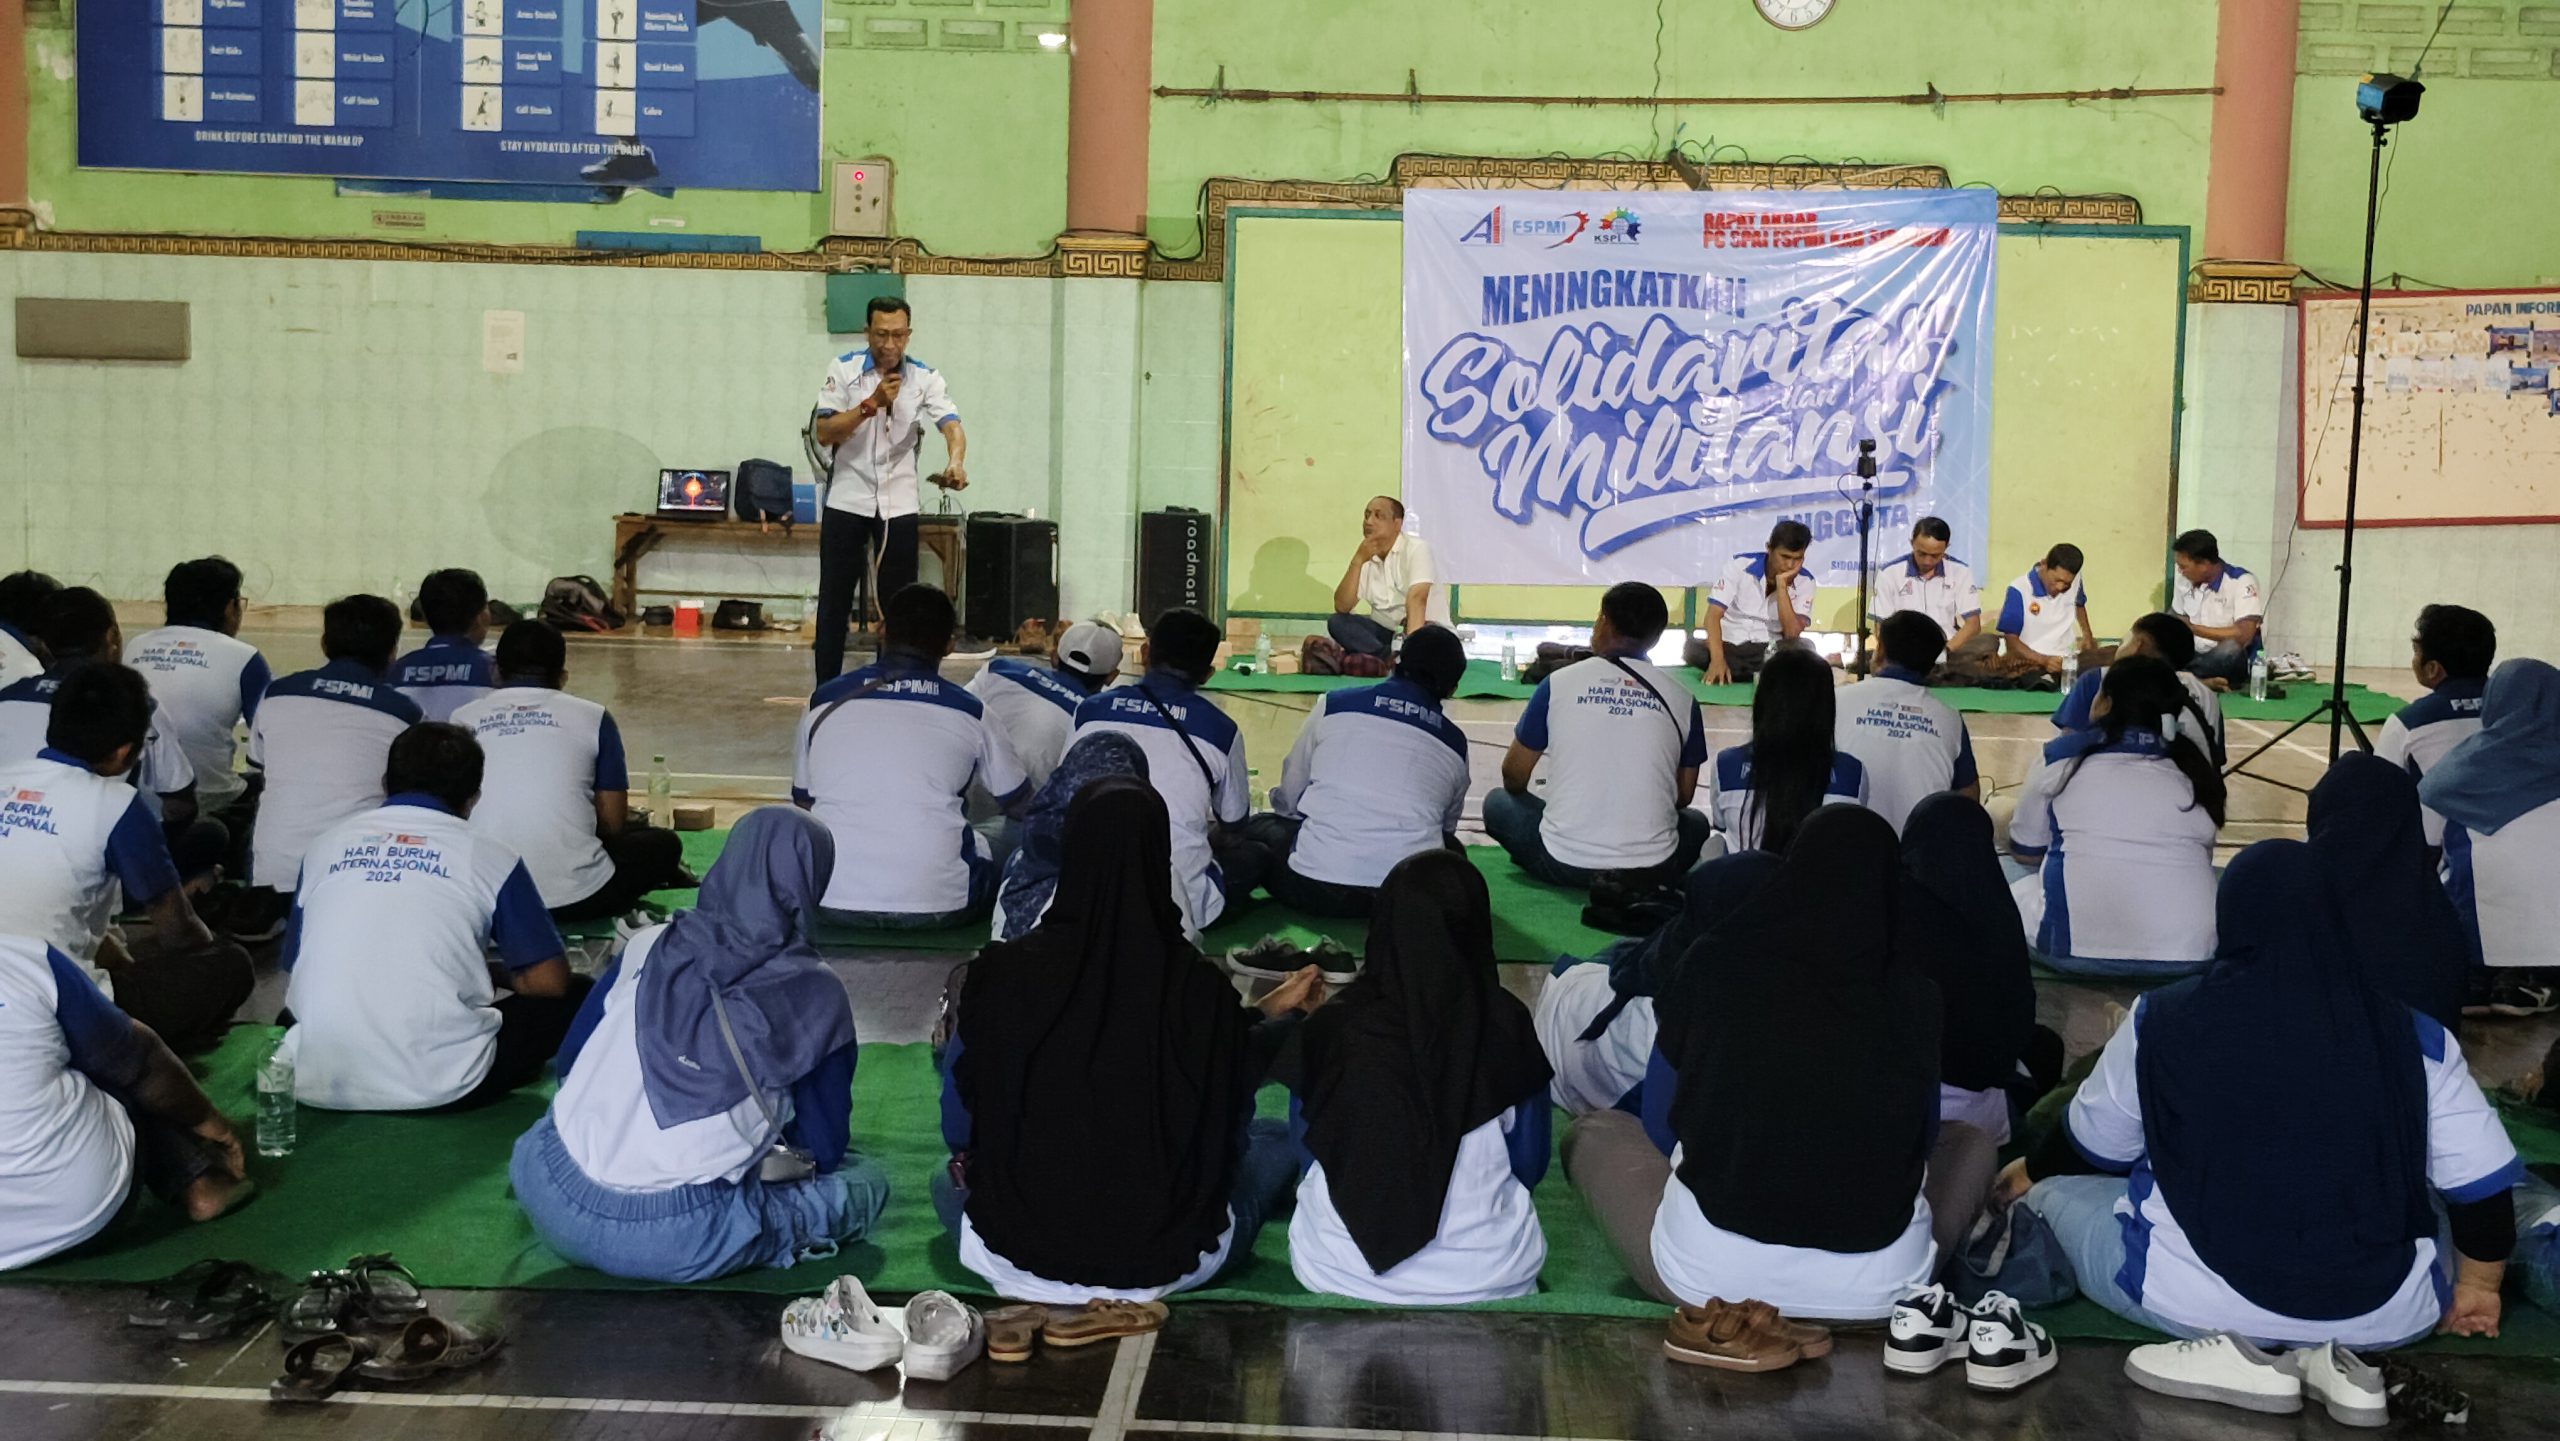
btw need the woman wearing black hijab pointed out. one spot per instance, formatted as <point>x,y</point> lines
<point>2370,837</point>
<point>1098,1093</point>
<point>1796,1085</point>
<point>1425,1100</point>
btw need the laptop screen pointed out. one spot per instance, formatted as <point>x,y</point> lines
<point>693,492</point>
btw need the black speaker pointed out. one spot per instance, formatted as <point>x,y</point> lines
<point>1174,561</point>
<point>1013,574</point>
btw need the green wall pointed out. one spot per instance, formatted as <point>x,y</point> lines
<point>2472,200</point>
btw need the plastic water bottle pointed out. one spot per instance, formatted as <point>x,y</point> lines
<point>2258,676</point>
<point>1262,653</point>
<point>275,1104</point>
<point>662,792</point>
<point>2070,671</point>
<point>1511,660</point>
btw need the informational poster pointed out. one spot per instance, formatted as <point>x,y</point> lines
<point>717,94</point>
<point>1602,387</point>
<point>2462,420</point>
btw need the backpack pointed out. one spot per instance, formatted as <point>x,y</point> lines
<point>738,615</point>
<point>576,602</point>
<point>763,492</point>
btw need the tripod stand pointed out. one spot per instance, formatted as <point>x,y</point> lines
<point>2334,708</point>
<point>1859,661</point>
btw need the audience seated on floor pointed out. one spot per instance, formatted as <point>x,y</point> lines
<point>1195,760</point>
<point>885,757</point>
<point>2182,1203</point>
<point>2120,823</point>
<point>1080,1170</point>
<point>2499,794</point>
<point>1379,773</point>
<point>395,1007</point>
<point>92,1103</point>
<point>451,670</point>
<point>1423,1097</point>
<point>2369,840</point>
<point>1034,702</point>
<point>1911,744</point>
<point>1795,1092</point>
<point>1761,790</point>
<point>2164,637</point>
<point>1622,744</point>
<point>557,788</point>
<point>22,596</point>
<point>670,1156</point>
<point>1031,872</point>
<point>1962,929</point>
<point>2450,653</point>
<point>321,737</point>
<point>206,682</point>
<point>78,845</point>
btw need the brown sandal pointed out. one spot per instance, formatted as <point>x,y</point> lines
<point>1013,1330</point>
<point>431,1346</point>
<point>1104,1321</point>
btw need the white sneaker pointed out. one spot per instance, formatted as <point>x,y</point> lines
<point>943,1336</point>
<point>2003,1349</point>
<point>841,1327</point>
<point>1927,1331</point>
<point>2221,1368</point>
<point>2340,1380</point>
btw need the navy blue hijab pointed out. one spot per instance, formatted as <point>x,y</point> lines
<point>747,941</point>
<point>2372,847</point>
<point>1031,876</point>
<point>2309,1210</point>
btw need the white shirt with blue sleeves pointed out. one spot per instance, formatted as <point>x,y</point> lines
<point>204,685</point>
<point>2045,623</point>
<point>2501,887</point>
<point>2418,735</point>
<point>875,467</point>
<point>1947,595</point>
<point>66,1146</point>
<point>547,754</point>
<point>26,711</point>
<point>1748,608</point>
<point>75,846</point>
<point>1614,742</point>
<point>321,739</point>
<point>1034,706</point>
<point>1729,787</point>
<point>1202,780</point>
<point>1912,744</point>
<point>1379,773</point>
<point>444,675</point>
<point>2124,853</point>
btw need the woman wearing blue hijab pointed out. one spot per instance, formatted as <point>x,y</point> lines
<point>704,1120</point>
<point>2499,793</point>
<point>1031,873</point>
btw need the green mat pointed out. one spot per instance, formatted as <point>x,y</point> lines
<point>433,1190</point>
<point>1532,921</point>
<point>1484,682</point>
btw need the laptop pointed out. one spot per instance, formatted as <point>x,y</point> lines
<point>693,494</point>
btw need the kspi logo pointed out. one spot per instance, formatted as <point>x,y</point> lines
<point>1618,227</point>
<point>1493,229</point>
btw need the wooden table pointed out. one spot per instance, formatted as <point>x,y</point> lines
<point>636,535</point>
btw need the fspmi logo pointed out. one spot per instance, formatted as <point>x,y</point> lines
<point>1553,231</point>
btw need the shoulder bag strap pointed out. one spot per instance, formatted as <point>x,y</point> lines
<point>1679,732</point>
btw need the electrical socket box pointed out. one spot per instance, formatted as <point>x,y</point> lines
<point>858,203</point>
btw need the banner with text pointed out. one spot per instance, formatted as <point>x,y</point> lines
<point>1602,387</point>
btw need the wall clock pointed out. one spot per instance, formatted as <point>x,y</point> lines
<point>1794,14</point>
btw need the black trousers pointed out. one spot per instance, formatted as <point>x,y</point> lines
<point>845,545</point>
<point>187,996</point>
<point>645,859</point>
<point>530,1030</point>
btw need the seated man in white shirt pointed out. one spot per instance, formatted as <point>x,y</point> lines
<point>556,788</point>
<point>451,670</point>
<point>1912,744</point>
<point>22,593</point>
<point>206,682</point>
<point>2450,653</point>
<point>1379,773</point>
<point>1935,584</point>
<point>2045,616</point>
<point>1622,743</point>
<point>78,845</point>
<point>91,1102</point>
<point>885,756</point>
<point>395,1003</point>
<point>1035,703</point>
<point>321,737</point>
<point>2219,602</point>
<point>1762,599</point>
<point>2167,637</point>
<point>1389,589</point>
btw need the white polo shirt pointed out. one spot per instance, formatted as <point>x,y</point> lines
<point>321,739</point>
<point>1750,613</point>
<point>1946,596</point>
<point>1592,1075</point>
<point>205,685</point>
<point>393,1008</point>
<point>1201,781</point>
<point>1912,744</point>
<point>2073,713</point>
<point>444,675</point>
<point>1386,583</point>
<point>885,756</point>
<point>875,468</point>
<point>1699,1260</point>
<point>17,656</point>
<point>1489,1246</point>
<point>1035,708</point>
<point>1729,793</point>
<point>2421,732</point>
<point>74,846</point>
<point>2224,601</point>
<point>2126,869</point>
<point>2469,1158</point>
<point>546,755</point>
<point>2501,887</point>
<point>1379,773</point>
<point>26,710</point>
<point>66,1147</point>
<point>2047,624</point>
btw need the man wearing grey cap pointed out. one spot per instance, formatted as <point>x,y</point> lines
<point>1034,702</point>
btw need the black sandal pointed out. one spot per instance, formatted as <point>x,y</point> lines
<point>316,1368</point>
<point>322,1307</point>
<point>170,1296</point>
<point>210,1300</point>
<point>386,1295</point>
<point>431,1346</point>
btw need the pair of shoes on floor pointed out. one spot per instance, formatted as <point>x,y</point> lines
<point>210,1300</point>
<point>1275,958</point>
<point>324,1328</point>
<point>2229,1371</point>
<point>1013,1332</point>
<point>1630,903</point>
<point>2002,1349</point>
<point>936,1338</point>
<point>1741,1336</point>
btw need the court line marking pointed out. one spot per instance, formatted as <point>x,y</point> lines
<point>1120,1394</point>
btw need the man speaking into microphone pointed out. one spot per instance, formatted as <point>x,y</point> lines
<point>872,412</point>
